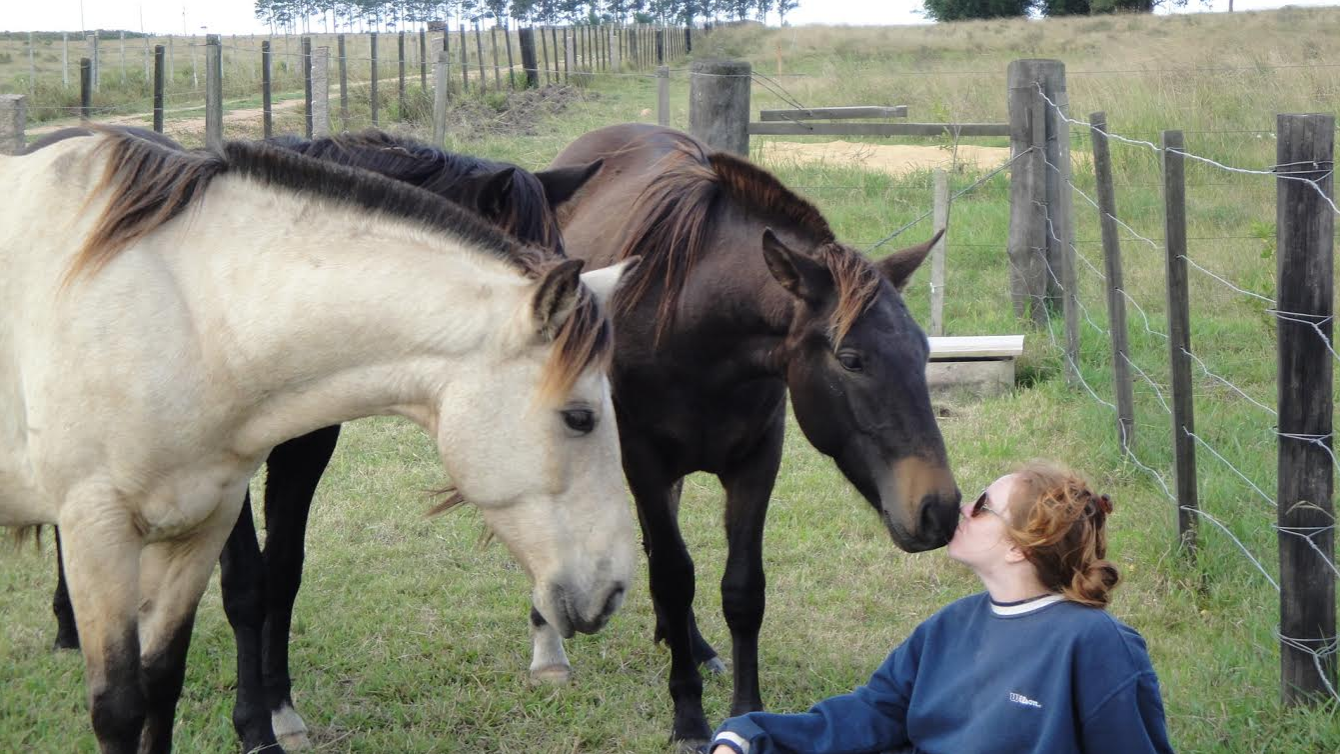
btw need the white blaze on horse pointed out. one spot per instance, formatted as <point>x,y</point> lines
<point>172,316</point>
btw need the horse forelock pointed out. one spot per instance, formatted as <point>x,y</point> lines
<point>857,281</point>
<point>585,341</point>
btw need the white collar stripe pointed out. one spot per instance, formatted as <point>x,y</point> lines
<point>1026,607</point>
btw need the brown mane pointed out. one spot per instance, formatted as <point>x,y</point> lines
<point>151,184</point>
<point>672,225</point>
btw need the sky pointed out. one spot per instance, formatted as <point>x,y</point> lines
<point>236,16</point>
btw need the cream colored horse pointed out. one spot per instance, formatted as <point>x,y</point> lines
<point>170,317</point>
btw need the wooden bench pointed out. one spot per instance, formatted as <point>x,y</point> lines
<point>980,365</point>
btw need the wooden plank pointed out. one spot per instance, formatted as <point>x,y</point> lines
<point>1304,224</point>
<point>1179,340</point>
<point>879,129</point>
<point>835,113</point>
<point>977,347</point>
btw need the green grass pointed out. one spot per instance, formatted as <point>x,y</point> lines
<point>410,637</point>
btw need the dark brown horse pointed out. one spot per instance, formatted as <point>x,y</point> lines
<point>742,296</point>
<point>259,588</point>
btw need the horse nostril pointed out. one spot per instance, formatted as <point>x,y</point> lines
<point>939,518</point>
<point>612,602</point>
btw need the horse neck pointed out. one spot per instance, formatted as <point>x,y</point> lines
<point>320,330</point>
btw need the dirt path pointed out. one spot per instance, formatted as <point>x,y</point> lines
<point>187,129</point>
<point>895,159</point>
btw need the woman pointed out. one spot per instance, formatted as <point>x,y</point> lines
<point>1035,664</point>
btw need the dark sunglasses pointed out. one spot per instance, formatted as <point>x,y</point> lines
<point>983,504</point>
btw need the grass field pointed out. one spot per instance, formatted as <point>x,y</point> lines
<point>410,637</point>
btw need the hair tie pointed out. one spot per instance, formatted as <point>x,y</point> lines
<point>1105,504</point>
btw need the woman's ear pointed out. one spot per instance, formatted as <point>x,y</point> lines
<point>1015,554</point>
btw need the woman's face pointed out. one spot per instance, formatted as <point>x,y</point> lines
<point>980,541</point>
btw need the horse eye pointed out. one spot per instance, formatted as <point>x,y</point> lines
<point>580,420</point>
<point>850,362</point>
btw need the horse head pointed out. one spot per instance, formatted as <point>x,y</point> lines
<point>856,371</point>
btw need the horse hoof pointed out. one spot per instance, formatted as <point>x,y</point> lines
<point>64,642</point>
<point>294,741</point>
<point>552,675</point>
<point>715,666</point>
<point>289,729</point>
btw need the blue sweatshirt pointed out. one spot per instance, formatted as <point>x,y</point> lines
<point>1045,676</point>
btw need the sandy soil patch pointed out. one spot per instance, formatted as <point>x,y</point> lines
<point>896,159</point>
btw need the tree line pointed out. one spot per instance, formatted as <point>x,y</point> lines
<point>962,10</point>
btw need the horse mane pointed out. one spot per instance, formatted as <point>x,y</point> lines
<point>151,184</point>
<point>528,216</point>
<point>671,225</point>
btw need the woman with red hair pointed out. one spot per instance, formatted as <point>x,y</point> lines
<point>1033,664</point>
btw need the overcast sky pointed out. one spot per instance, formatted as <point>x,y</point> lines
<point>236,16</point>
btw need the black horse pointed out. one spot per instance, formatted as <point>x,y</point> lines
<point>742,295</point>
<point>259,587</point>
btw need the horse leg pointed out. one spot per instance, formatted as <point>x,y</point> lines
<point>703,653</point>
<point>102,565</point>
<point>67,636</point>
<point>173,575</point>
<point>293,471</point>
<point>549,663</point>
<point>672,587</point>
<point>748,487</point>
<point>243,585</point>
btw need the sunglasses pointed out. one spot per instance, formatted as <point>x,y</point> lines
<point>983,504</point>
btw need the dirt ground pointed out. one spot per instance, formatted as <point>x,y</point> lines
<point>896,159</point>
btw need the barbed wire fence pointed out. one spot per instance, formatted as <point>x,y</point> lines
<point>1305,576</point>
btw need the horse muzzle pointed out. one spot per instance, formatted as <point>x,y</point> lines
<point>572,612</point>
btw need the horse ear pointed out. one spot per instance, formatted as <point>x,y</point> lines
<point>495,193</point>
<point>799,274</point>
<point>561,183</point>
<point>898,267</point>
<point>606,280</point>
<point>556,297</point>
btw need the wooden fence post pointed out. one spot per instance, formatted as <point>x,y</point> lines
<point>344,81</point>
<point>1179,340</point>
<point>568,59</point>
<point>441,89</point>
<point>373,86</point>
<point>213,92</point>
<point>465,62</point>
<point>267,111</point>
<point>663,95</point>
<point>479,50</point>
<point>497,69</point>
<point>941,217</point>
<point>526,39</point>
<point>612,45</point>
<point>158,86</point>
<point>85,88</point>
<point>1305,281</point>
<point>1028,212</point>
<point>507,40</point>
<point>400,91</point>
<point>13,123</point>
<point>321,92</point>
<point>307,85</point>
<point>1116,303</point>
<point>423,60</point>
<point>544,48</point>
<point>719,104</point>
